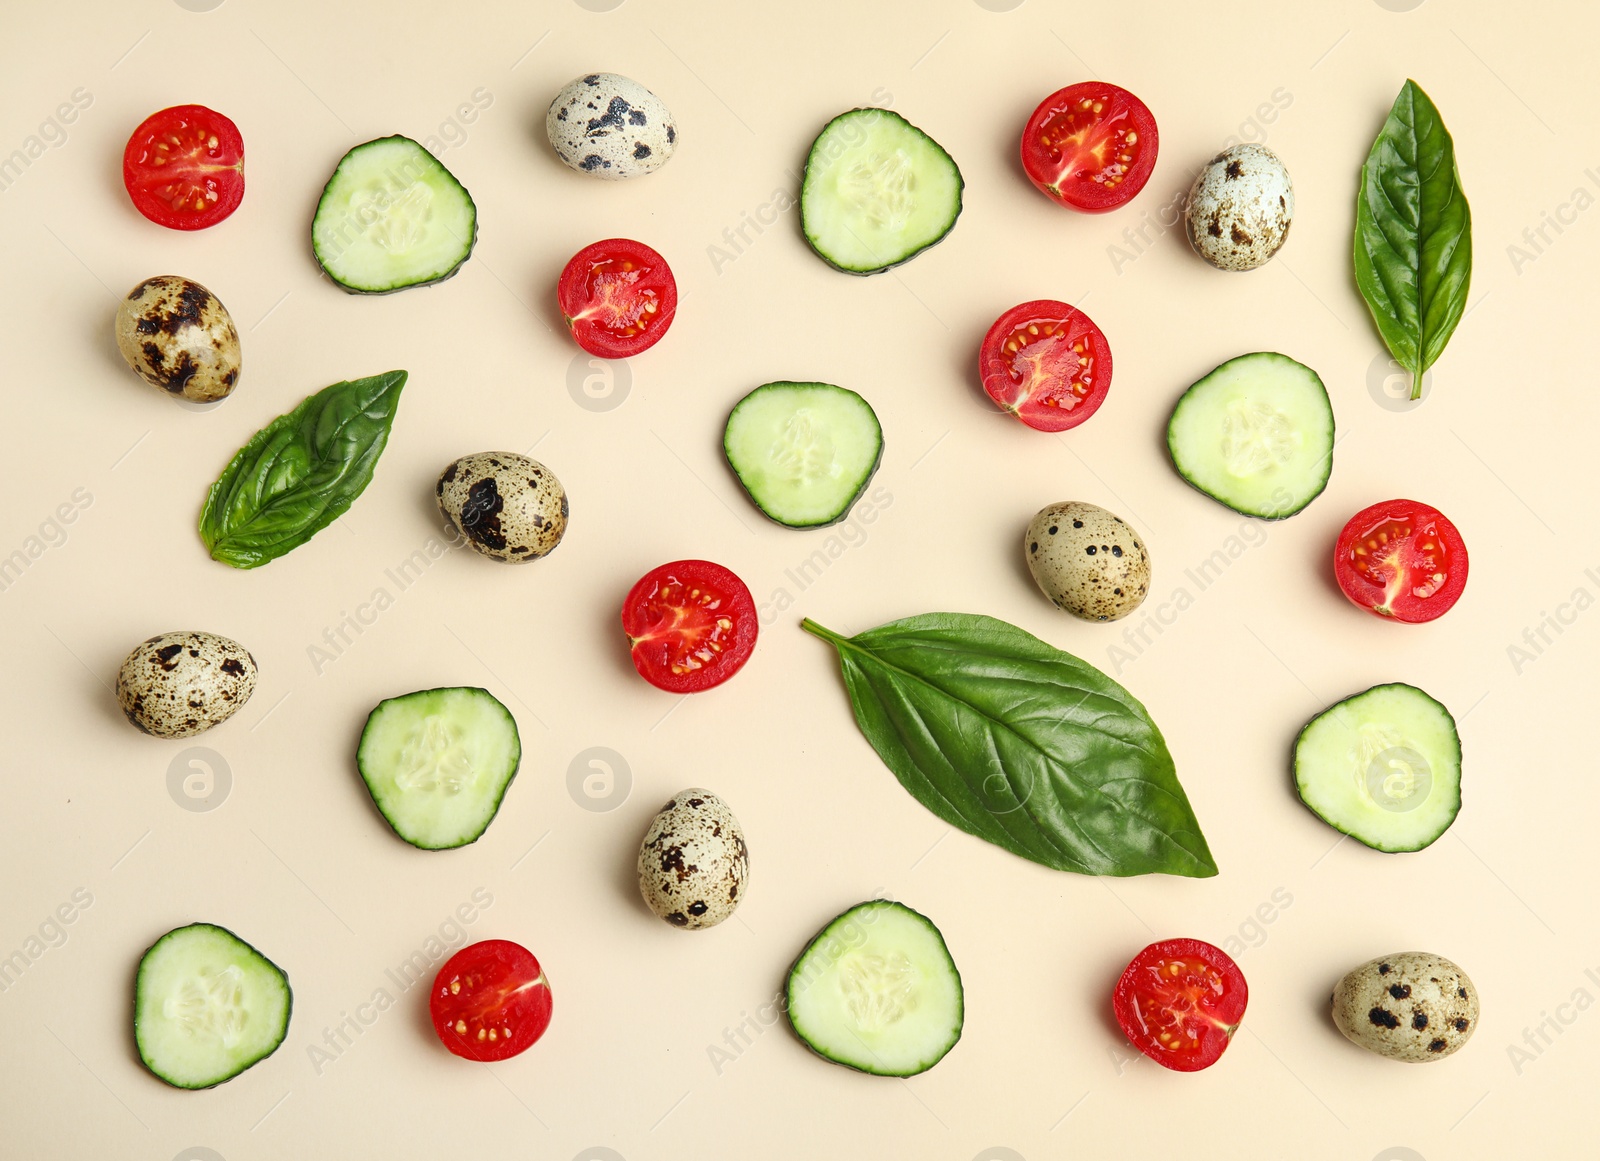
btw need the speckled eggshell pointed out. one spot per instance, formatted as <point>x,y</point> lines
<point>1409,1006</point>
<point>1087,561</point>
<point>693,864</point>
<point>177,335</point>
<point>1240,208</point>
<point>181,684</point>
<point>611,127</point>
<point>508,507</point>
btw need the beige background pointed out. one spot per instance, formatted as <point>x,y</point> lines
<point>297,861</point>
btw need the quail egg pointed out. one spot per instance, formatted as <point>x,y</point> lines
<point>1240,208</point>
<point>181,684</point>
<point>508,506</point>
<point>1087,561</point>
<point>177,335</point>
<point>609,126</point>
<point>693,864</point>
<point>1409,1006</point>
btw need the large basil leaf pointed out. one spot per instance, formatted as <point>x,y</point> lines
<point>301,472</point>
<point>1413,242</point>
<point>1014,741</point>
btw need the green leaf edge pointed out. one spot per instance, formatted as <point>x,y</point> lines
<point>214,535</point>
<point>1416,352</point>
<point>1204,863</point>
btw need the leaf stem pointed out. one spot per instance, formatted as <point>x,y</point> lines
<point>817,630</point>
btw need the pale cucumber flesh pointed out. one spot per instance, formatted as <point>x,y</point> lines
<point>803,451</point>
<point>207,1006</point>
<point>1383,767</point>
<point>437,763</point>
<point>877,991</point>
<point>877,191</point>
<point>1256,434</point>
<point>392,217</point>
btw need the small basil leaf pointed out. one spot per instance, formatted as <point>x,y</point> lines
<point>1413,240</point>
<point>301,472</point>
<point>1014,741</point>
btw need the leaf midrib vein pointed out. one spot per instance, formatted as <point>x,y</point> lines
<point>918,679</point>
<point>321,458</point>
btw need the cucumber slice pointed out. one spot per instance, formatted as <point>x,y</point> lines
<point>804,451</point>
<point>1383,767</point>
<point>437,763</point>
<point>1256,435</point>
<point>877,191</point>
<point>392,217</point>
<point>207,1005</point>
<point>877,991</point>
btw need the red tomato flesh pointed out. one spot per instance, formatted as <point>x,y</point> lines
<point>1401,560</point>
<point>617,297</point>
<point>1047,364</point>
<point>1090,146</point>
<point>490,1001</point>
<point>1180,1002</point>
<point>184,167</point>
<point>691,624</point>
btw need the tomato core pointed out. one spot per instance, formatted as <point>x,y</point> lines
<point>184,167</point>
<point>490,1001</point>
<point>1047,363</point>
<point>691,625</point>
<point>1085,142</point>
<point>1402,561</point>
<point>1047,366</point>
<point>1090,146</point>
<point>617,297</point>
<point>1400,556</point>
<point>1180,1002</point>
<point>688,624</point>
<point>616,300</point>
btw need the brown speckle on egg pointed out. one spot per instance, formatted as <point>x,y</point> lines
<point>179,337</point>
<point>693,863</point>
<point>1240,208</point>
<point>507,506</point>
<point>179,684</point>
<point>1439,1006</point>
<point>1088,561</point>
<point>611,127</point>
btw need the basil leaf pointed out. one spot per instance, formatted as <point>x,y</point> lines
<point>1012,740</point>
<point>301,472</point>
<point>1413,244</point>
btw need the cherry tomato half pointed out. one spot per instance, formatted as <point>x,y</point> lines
<point>1179,1002</point>
<point>490,1001</point>
<point>692,625</point>
<point>617,298</point>
<point>184,167</point>
<point>1090,146</point>
<point>1402,560</point>
<point>1047,364</point>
